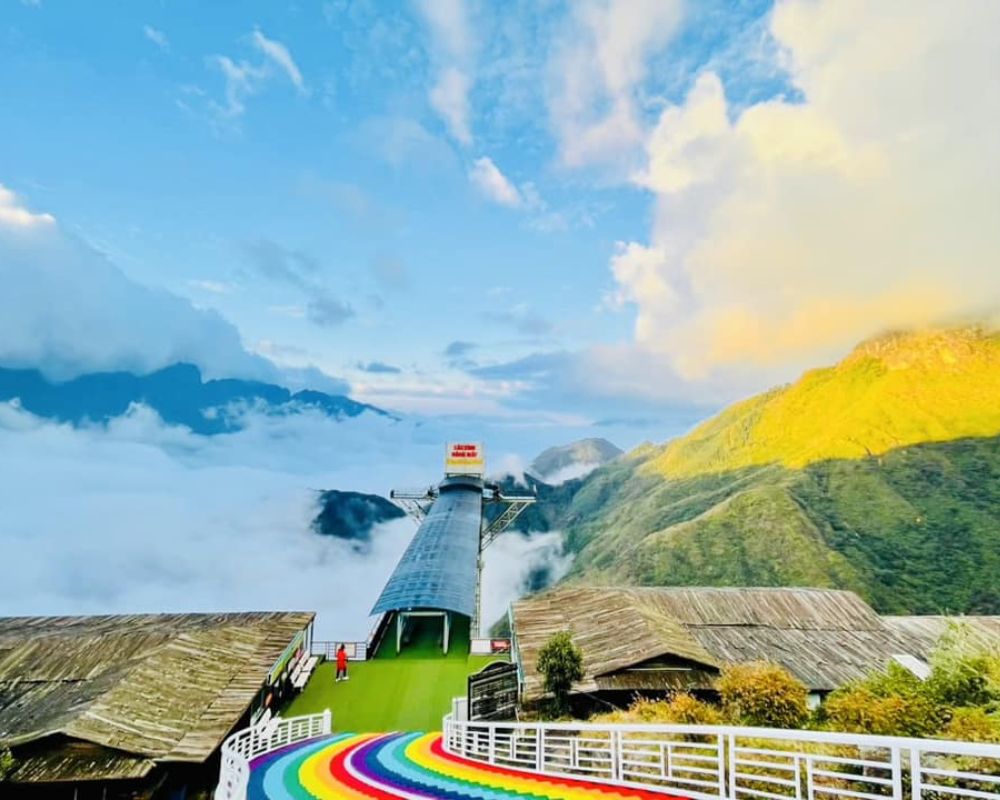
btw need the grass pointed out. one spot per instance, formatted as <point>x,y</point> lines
<point>408,692</point>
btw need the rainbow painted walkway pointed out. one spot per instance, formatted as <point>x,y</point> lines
<point>404,765</point>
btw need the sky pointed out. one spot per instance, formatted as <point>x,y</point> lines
<point>551,210</point>
<point>522,221</point>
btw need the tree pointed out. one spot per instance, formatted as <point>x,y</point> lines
<point>561,664</point>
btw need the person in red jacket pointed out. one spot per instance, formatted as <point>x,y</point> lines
<point>342,664</point>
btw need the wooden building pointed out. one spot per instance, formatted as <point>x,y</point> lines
<point>926,632</point>
<point>134,706</point>
<point>652,640</point>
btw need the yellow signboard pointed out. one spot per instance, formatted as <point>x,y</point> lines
<point>465,458</point>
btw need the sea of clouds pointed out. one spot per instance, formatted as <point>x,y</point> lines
<point>140,516</point>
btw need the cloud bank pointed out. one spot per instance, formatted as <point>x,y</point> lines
<point>68,310</point>
<point>788,231</point>
<point>141,516</point>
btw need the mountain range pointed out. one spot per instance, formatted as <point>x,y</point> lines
<point>177,393</point>
<point>880,474</point>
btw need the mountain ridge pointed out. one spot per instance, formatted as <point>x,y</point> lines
<point>912,526</point>
<point>177,393</point>
<point>889,392</point>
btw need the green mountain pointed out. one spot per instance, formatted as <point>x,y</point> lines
<point>880,474</point>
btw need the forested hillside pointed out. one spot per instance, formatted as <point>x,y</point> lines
<point>881,474</point>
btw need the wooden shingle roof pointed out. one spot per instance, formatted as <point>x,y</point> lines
<point>148,687</point>
<point>824,637</point>
<point>925,632</point>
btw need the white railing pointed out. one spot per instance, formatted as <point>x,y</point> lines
<point>713,762</point>
<point>356,651</point>
<point>243,746</point>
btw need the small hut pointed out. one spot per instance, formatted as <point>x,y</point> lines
<point>134,706</point>
<point>649,641</point>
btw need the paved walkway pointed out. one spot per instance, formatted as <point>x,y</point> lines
<point>404,765</point>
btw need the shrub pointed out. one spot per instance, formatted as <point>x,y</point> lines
<point>680,708</point>
<point>857,709</point>
<point>891,703</point>
<point>561,664</point>
<point>972,725</point>
<point>762,694</point>
<point>963,674</point>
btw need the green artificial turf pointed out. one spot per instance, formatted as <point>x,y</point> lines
<point>408,692</point>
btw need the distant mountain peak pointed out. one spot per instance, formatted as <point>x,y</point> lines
<point>574,460</point>
<point>892,391</point>
<point>935,348</point>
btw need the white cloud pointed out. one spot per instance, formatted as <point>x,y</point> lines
<point>514,563</point>
<point>453,45</point>
<point>493,184</point>
<point>164,520</point>
<point>450,98</point>
<point>639,272</point>
<point>14,215</point>
<point>67,309</point>
<point>244,79</point>
<point>157,37</point>
<point>595,73</point>
<point>449,24</point>
<point>279,54</point>
<point>785,235</point>
<point>213,287</point>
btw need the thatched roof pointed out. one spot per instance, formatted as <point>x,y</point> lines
<point>629,635</point>
<point>144,689</point>
<point>925,632</point>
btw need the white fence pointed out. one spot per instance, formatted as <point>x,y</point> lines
<point>243,746</point>
<point>735,763</point>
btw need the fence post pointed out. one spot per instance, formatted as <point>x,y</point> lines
<point>615,750</point>
<point>732,766</point>
<point>896,761</point>
<point>721,742</point>
<point>327,720</point>
<point>540,749</point>
<point>916,775</point>
<point>493,745</point>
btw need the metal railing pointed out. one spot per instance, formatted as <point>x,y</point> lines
<point>713,762</point>
<point>243,746</point>
<point>356,651</point>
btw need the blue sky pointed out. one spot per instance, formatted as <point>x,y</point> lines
<point>524,222</point>
<point>358,186</point>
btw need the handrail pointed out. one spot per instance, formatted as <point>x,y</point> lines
<point>724,762</point>
<point>708,762</point>
<point>356,650</point>
<point>243,746</point>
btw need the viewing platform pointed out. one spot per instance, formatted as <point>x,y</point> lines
<point>409,691</point>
